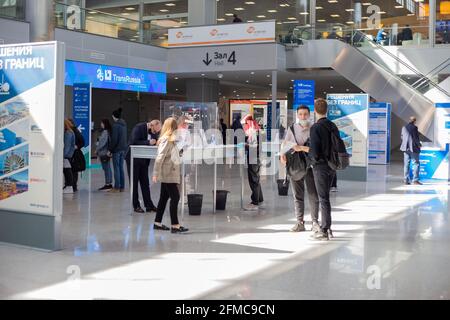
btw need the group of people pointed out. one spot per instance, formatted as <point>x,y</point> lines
<point>313,141</point>
<point>112,145</point>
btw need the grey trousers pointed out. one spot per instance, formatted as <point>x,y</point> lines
<point>298,189</point>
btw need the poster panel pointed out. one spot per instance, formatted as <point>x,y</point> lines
<point>379,133</point>
<point>30,128</point>
<point>82,94</point>
<point>350,112</point>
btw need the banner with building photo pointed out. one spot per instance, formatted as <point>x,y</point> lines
<point>350,112</point>
<point>28,128</point>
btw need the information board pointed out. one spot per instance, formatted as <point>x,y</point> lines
<point>379,133</point>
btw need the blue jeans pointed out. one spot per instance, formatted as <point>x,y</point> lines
<point>119,174</point>
<point>409,156</point>
<point>106,166</point>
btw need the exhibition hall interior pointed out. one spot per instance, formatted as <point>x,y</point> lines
<point>224,150</point>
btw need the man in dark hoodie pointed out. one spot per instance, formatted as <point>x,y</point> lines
<point>118,147</point>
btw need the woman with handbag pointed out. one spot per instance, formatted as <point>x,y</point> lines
<point>167,170</point>
<point>103,155</point>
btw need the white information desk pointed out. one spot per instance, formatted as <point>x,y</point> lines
<point>221,154</point>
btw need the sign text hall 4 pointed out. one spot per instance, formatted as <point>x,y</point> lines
<point>220,58</point>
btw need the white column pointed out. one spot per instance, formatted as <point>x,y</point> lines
<point>432,23</point>
<point>41,16</point>
<point>202,12</point>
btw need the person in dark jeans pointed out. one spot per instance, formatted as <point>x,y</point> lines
<point>319,151</point>
<point>251,129</point>
<point>117,149</point>
<point>140,135</point>
<point>297,140</point>
<point>79,143</point>
<point>411,147</point>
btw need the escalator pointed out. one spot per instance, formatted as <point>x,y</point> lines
<point>357,66</point>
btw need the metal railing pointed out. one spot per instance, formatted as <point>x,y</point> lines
<point>366,43</point>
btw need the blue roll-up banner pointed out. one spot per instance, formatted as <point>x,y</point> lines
<point>82,93</point>
<point>269,119</point>
<point>379,133</point>
<point>304,93</point>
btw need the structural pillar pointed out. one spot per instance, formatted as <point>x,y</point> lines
<point>202,12</point>
<point>41,16</point>
<point>202,90</point>
<point>432,23</point>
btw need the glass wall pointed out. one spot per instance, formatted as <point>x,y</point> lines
<point>12,9</point>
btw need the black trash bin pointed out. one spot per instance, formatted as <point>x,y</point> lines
<point>221,199</point>
<point>195,204</point>
<point>283,187</point>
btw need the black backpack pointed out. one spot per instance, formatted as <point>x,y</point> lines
<point>78,162</point>
<point>338,158</point>
<point>296,164</point>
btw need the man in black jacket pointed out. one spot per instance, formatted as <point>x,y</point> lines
<point>319,151</point>
<point>143,134</point>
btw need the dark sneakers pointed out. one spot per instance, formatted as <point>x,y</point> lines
<point>106,187</point>
<point>161,227</point>
<point>151,209</point>
<point>179,230</point>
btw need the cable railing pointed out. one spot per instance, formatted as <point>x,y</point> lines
<point>362,40</point>
<point>109,25</point>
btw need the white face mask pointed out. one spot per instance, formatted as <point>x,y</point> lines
<point>303,123</point>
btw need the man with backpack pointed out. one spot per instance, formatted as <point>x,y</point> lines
<point>296,145</point>
<point>327,153</point>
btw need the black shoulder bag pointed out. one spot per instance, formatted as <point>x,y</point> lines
<point>296,164</point>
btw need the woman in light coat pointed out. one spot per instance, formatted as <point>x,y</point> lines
<point>167,170</point>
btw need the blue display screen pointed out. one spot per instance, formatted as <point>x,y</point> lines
<point>116,78</point>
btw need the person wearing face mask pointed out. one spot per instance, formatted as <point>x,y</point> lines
<point>297,140</point>
<point>141,135</point>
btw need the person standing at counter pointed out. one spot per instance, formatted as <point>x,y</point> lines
<point>411,146</point>
<point>167,170</point>
<point>140,136</point>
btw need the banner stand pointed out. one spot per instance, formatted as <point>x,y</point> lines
<point>30,112</point>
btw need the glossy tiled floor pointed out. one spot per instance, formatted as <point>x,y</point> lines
<point>392,242</point>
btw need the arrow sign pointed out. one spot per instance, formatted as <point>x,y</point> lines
<point>81,128</point>
<point>208,60</point>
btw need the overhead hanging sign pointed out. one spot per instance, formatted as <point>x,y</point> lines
<point>379,133</point>
<point>82,115</point>
<point>116,78</point>
<point>237,33</point>
<point>350,113</point>
<point>31,128</point>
